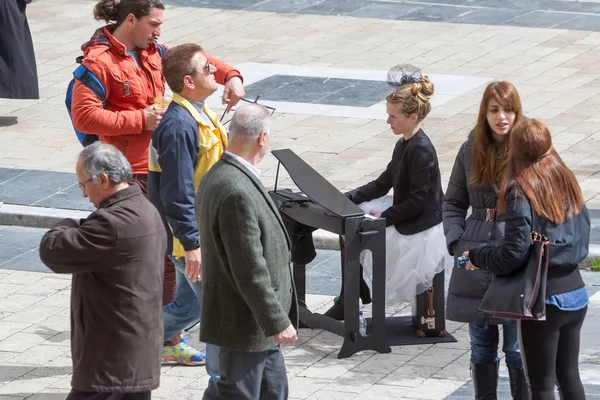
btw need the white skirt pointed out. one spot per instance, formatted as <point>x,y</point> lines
<point>411,261</point>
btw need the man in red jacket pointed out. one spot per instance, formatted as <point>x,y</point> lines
<point>125,56</point>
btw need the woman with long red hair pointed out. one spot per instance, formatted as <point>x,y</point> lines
<point>538,181</point>
<point>474,182</point>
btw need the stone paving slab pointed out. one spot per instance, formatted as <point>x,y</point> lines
<point>34,315</point>
<point>35,354</point>
<point>542,14</point>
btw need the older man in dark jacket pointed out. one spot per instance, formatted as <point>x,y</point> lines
<point>116,257</point>
<point>249,305</point>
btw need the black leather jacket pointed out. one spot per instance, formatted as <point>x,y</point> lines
<point>414,174</point>
<point>570,244</point>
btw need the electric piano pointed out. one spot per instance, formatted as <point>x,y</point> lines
<point>320,205</point>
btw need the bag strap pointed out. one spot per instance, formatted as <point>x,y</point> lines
<point>535,224</point>
<point>160,48</point>
<point>91,81</point>
<point>536,231</point>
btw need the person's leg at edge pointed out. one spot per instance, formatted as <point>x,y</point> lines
<point>567,357</point>
<point>169,291</point>
<point>241,376</point>
<point>337,310</point>
<point>84,395</point>
<point>136,396</point>
<point>484,359</point>
<point>519,388</point>
<point>538,341</point>
<point>212,351</point>
<point>212,362</point>
<point>181,313</point>
<point>274,384</point>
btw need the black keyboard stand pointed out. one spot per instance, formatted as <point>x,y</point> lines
<point>362,234</point>
<point>321,205</point>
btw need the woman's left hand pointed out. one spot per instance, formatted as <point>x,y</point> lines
<point>375,214</point>
<point>469,266</point>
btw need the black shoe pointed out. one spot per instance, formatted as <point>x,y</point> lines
<point>519,388</point>
<point>485,380</point>
<point>336,312</point>
<point>365,292</point>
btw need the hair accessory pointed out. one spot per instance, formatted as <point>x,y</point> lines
<point>403,74</point>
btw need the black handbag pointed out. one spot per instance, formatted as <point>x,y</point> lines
<point>522,294</point>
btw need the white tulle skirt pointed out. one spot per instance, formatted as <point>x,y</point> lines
<point>411,261</point>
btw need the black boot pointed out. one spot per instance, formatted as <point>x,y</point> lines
<point>365,292</point>
<point>336,311</point>
<point>561,395</point>
<point>518,384</point>
<point>485,380</point>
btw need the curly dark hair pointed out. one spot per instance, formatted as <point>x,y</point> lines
<point>117,10</point>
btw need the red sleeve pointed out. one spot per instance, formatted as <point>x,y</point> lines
<point>89,115</point>
<point>224,71</point>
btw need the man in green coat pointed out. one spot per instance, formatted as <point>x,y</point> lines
<point>249,304</point>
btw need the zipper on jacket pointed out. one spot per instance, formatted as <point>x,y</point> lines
<point>126,145</point>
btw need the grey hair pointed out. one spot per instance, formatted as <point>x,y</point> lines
<point>103,158</point>
<point>249,121</point>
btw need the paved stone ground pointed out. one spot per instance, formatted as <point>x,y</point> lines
<point>35,353</point>
<point>543,14</point>
<point>554,70</point>
<point>457,42</point>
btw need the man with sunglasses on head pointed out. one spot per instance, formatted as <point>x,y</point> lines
<point>188,141</point>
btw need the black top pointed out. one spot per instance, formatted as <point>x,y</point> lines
<point>569,245</point>
<point>414,173</point>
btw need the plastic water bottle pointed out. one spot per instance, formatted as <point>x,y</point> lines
<point>362,324</point>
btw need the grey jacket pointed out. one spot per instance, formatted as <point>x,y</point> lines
<point>465,233</point>
<point>248,295</point>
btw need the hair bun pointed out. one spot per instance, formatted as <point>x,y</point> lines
<point>416,88</point>
<point>106,10</point>
<point>424,88</point>
<point>532,139</point>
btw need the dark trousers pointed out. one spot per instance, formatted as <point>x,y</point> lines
<point>550,351</point>
<point>249,376</point>
<point>169,283</point>
<point>81,395</point>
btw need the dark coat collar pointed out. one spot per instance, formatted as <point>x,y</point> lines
<point>124,194</point>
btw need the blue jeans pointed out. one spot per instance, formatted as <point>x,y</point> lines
<point>484,344</point>
<point>184,312</point>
